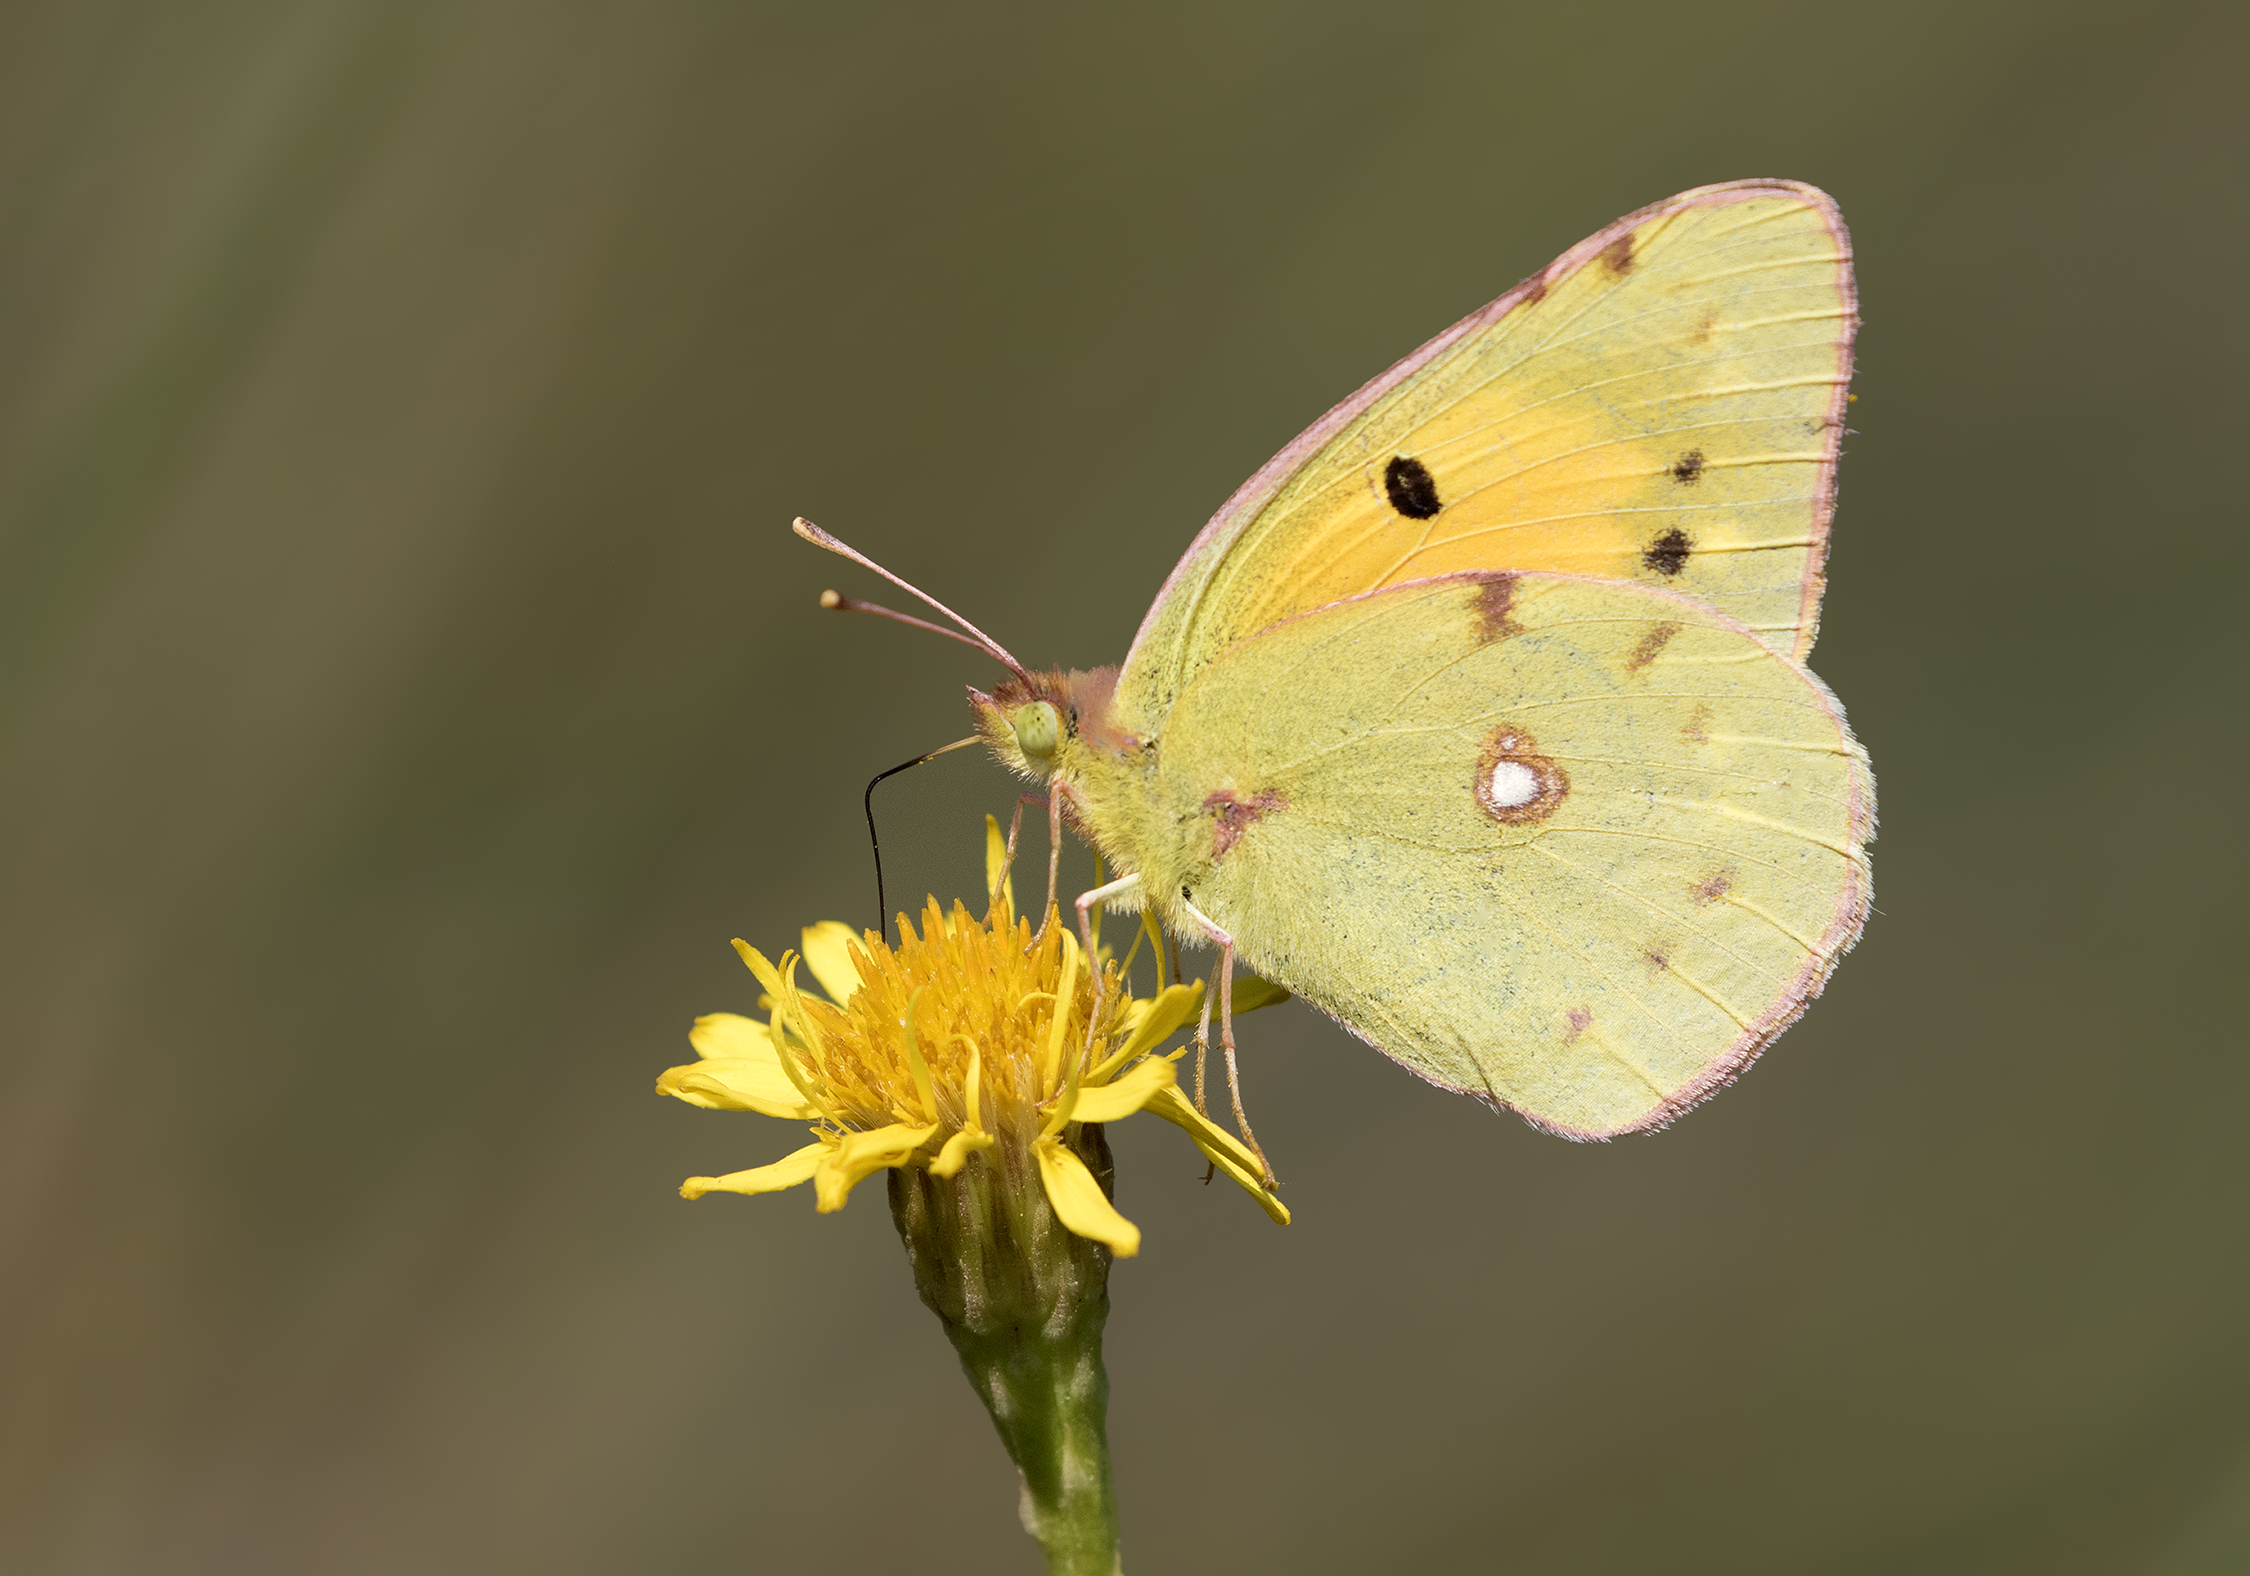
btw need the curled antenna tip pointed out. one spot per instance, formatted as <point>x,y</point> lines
<point>831,599</point>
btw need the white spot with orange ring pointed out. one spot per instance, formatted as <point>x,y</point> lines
<point>1512,785</point>
<point>1515,784</point>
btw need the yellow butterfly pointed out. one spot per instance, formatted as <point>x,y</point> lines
<point>1477,717</point>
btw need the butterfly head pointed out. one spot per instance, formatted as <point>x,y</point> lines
<point>1041,724</point>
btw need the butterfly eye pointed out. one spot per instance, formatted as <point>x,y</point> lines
<point>1038,729</point>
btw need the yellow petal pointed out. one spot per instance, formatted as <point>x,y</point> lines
<point>859,1156</point>
<point>1079,1201</point>
<point>737,1083</point>
<point>1169,1009</point>
<point>772,980</point>
<point>828,954</point>
<point>1251,992</point>
<point>768,975</point>
<point>1116,1101</point>
<point>1059,1021</point>
<point>729,1034</point>
<point>919,1068</point>
<point>792,1023</point>
<point>755,1073</point>
<point>976,1071</point>
<point>995,859</point>
<point>1155,937</point>
<point>957,1150</point>
<point>1066,1104</point>
<point>1219,1146</point>
<point>785,1172</point>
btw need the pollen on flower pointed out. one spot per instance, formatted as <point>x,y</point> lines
<point>973,1042</point>
<point>961,1003</point>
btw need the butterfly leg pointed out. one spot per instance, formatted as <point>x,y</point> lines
<point>1202,1054</point>
<point>1015,830</point>
<point>1202,1047</point>
<point>1053,805</point>
<point>1086,904</point>
<point>1054,844</point>
<point>1225,944</point>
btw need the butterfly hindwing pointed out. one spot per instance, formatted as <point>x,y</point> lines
<point>1661,404</point>
<point>1580,848</point>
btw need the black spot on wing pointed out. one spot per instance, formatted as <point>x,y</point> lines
<point>1689,468</point>
<point>1412,490</point>
<point>1668,554</point>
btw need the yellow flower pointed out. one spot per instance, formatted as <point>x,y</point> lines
<point>965,1039</point>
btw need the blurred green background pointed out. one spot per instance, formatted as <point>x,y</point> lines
<point>408,684</point>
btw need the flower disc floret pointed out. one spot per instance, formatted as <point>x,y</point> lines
<point>969,1036</point>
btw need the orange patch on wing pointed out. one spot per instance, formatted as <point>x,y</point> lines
<point>1658,637</point>
<point>1232,816</point>
<point>1496,600</point>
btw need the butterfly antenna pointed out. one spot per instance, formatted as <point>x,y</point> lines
<point>867,800</point>
<point>836,601</point>
<point>982,641</point>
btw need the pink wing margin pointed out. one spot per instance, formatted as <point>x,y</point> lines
<point>1840,937</point>
<point>1254,494</point>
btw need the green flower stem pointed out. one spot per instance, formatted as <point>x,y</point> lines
<point>1023,1300</point>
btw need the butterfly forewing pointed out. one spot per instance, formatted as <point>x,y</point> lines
<point>1578,847</point>
<point>1662,404</point>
